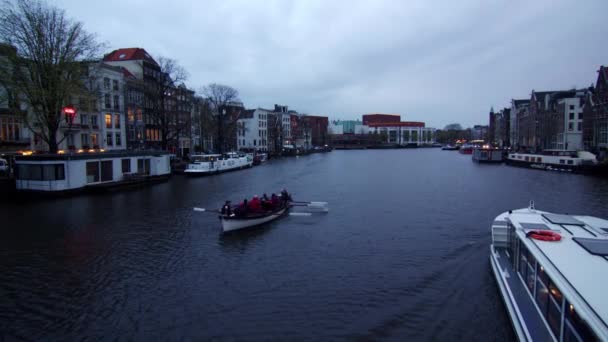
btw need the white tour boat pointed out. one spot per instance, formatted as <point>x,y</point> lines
<point>552,272</point>
<point>204,164</point>
<point>555,160</point>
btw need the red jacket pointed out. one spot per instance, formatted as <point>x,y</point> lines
<point>255,204</point>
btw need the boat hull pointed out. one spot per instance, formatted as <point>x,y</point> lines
<point>195,172</point>
<point>232,224</point>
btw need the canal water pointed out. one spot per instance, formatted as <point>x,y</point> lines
<point>402,254</point>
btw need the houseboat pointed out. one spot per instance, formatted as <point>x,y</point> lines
<point>552,272</point>
<point>555,160</point>
<point>466,149</point>
<point>487,155</point>
<point>449,147</point>
<point>205,164</point>
<point>70,172</point>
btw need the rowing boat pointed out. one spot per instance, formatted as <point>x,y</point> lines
<point>230,223</point>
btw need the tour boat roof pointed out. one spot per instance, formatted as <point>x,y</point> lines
<point>578,263</point>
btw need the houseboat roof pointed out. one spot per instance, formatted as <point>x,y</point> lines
<point>88,155</point>
<point>578,263</point>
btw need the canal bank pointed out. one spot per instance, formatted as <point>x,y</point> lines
<point>402,255</point>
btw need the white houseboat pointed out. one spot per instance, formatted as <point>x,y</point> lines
<point>555,160</point>
<point>69,172</point>
<point>552,272</point>
<point>204,164</point>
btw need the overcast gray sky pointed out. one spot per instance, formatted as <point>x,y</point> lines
<point>433,61</point>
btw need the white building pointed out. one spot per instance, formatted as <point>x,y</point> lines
<point>571,112</point>
<point>404,133</point>
<point>252,129</point>
<point>100,121</point>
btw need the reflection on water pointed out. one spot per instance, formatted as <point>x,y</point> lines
<point>402,254</point>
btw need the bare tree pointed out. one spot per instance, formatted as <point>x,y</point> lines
<point>220,97</point>
<point>165,94</point>
<point>44,70</point>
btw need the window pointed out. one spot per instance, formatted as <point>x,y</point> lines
<point>116,102</point>
<point>108,120</point>
<point>92,172</point>
<point>254,142</point>
<point>84,139</point>
<point>554,309</point>
<point>84,120</point>
<point>106,101</point>
<point>562,161</point>
<point>571,116</point>
<point>571,107</point>
<point>115,85</point>
<point>117,141</point>
<point>570,126</point>
<point>116,120</point>
<point>130,115</point>
<point>106,170</point>
<point>143,166</point>
<point>126,165</point>
<point>578,126</point>
<point>94,120</point>
<point>106,83</point>
<point>570,162</point>
<point>580,116</point>
<point>94,140</point>
<point>575,328</point>
<point>109,139</point>
<point>40,172</point>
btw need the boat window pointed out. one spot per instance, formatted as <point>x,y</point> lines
<point>526,159</point>
<point>143,166</point>
<point>542,296</point>
<point>570,162</point>
<point>92,172</point>
<point>523,260</point>
<point>126,165</point>
<point>593,246</point>
<point>539,159</point>
<point>561,161</point>
<point>575,328</point>
<point>106,170</point>
<point>563,219</point>
<point>40,172</point>
<point>554,313</point>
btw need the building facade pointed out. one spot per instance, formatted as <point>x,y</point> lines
<point>404,133</point>
<point>517,109</point>
<point>595,114</point>
<point>252,129</point>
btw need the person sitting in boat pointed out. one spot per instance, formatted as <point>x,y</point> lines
<point>227,209</point>
<point>255,205</point>
<point>274,201</point>
<point>266,205</point>
<point>285,196</point>
<point>242,209</point>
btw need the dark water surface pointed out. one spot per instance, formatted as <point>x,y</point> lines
<point>403,253</point>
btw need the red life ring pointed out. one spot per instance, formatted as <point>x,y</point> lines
<point>544,235</point>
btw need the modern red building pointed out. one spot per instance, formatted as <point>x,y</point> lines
<point>369,119</point>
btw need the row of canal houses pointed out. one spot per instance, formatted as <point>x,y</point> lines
<point>575,119</point>
<point>124,115</point>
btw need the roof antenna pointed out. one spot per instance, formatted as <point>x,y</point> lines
<point>531,207</point>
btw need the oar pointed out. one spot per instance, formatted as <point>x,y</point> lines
<point>315,206</point>
<point>203,210</point>
<point>300,214</point>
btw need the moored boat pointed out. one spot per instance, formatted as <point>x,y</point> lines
<point>466,149</point>
<point>551,271</point>
<point>487,155</point>
<point>449,147</point>
<point>555,160</point>
<point>204,164</point>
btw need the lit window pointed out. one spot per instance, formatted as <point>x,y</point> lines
<point>108,120</point>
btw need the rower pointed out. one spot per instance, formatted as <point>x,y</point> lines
<point>226,209</point>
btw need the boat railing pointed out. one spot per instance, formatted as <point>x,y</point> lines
<point>500,234</point>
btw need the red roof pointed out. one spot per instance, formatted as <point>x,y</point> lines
<point>130,54</point>
<point>397,124</point>
<point>127,73</point>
